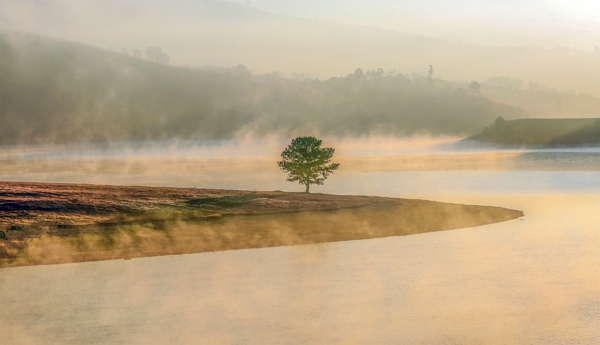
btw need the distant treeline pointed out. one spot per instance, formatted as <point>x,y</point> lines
<point>540,101</point>
<point>542,132</point>
<point>59,91</point>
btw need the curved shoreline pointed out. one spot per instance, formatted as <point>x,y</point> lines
<point>47,223</point>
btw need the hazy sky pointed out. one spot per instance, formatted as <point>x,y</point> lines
<point>327,38</point>
<point>574,23</point>
<point>508,22</point>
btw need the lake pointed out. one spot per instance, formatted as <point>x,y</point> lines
<point>531,280</point>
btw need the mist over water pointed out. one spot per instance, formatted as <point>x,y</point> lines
<point>369,165</point>
<point>207,93</point>
<point>552,186</point>
<point>532,280</point>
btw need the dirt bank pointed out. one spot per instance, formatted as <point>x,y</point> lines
<point>45,223</point>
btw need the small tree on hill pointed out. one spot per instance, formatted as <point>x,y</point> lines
<point>306,162</point>
<point>474,86</point>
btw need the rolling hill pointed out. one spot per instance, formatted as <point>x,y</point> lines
<point>58,91</point>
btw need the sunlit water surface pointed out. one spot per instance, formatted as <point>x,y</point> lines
<point>535,280</point>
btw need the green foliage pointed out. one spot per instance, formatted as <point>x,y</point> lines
<point>306,162</point>
<point>542,132</point>
<point>3,235</point>
<point>226,201</point>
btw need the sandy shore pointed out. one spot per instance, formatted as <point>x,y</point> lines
<point>45,223</point>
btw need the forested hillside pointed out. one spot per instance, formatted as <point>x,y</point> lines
<point>59,91</point>
<point>542,132</point>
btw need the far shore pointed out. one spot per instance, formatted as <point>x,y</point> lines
<point>51,223</point>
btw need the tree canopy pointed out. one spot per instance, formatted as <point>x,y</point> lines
<point>306,162</point>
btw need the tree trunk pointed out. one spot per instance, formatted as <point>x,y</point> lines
<point>307,185</point>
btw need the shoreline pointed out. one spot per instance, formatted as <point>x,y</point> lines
<point>52,223</point>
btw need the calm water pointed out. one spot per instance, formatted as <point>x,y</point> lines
<point>529,281</point>
<point>405,169</point>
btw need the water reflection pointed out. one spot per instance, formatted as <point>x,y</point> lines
<point>535,280</point>
<point>559,160</point>
<point>529,172</point>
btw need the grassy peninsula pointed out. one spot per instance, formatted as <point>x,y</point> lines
<point>542,132</point>
<point>45,223</point>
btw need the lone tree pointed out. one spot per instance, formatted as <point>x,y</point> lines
<point>306,162</point>
<point>474,86</point>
